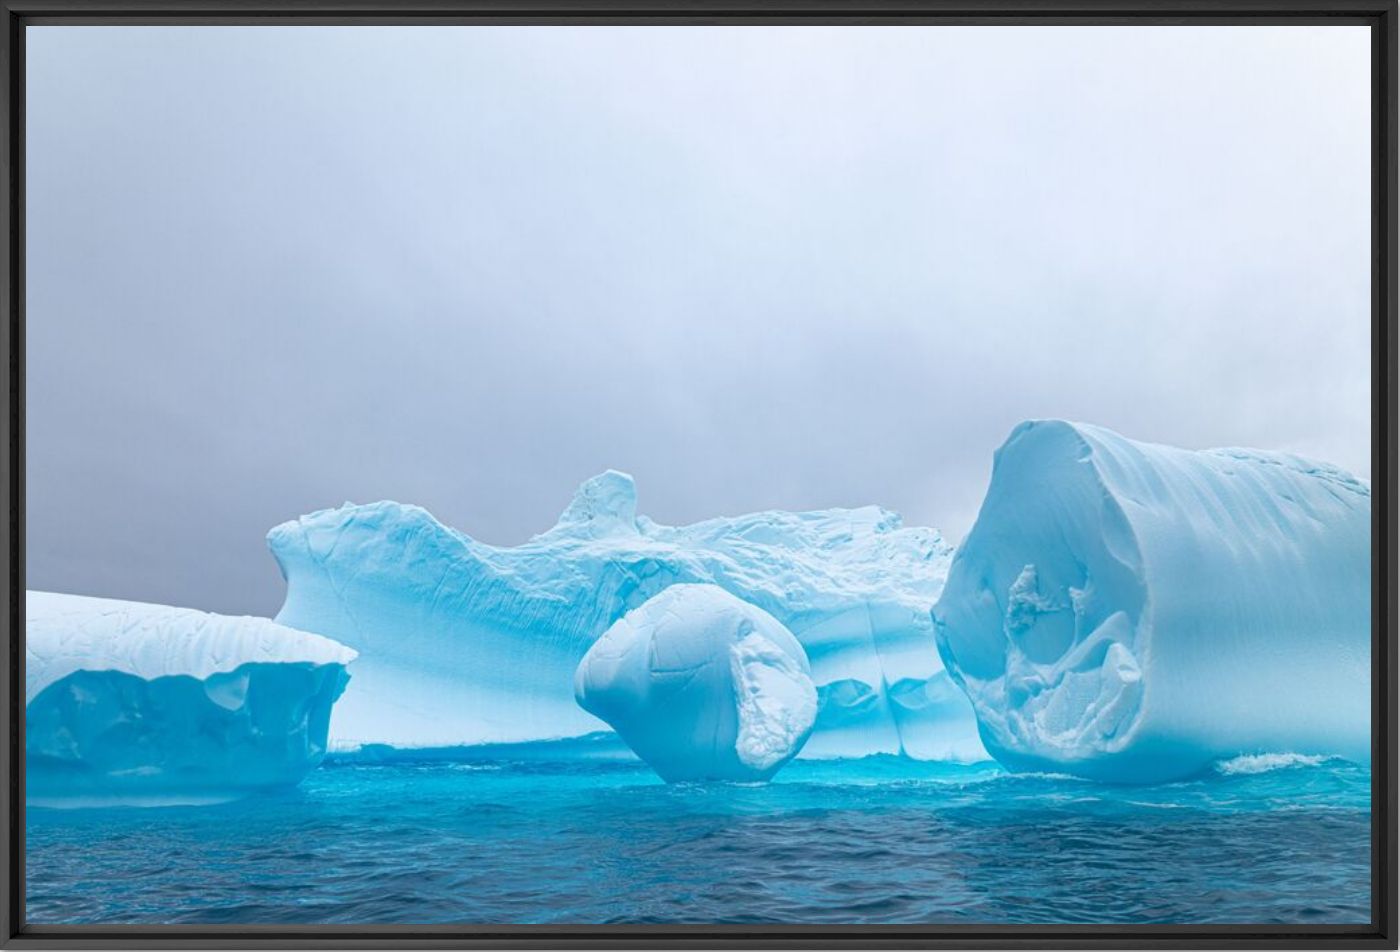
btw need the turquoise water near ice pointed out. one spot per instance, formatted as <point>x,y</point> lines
<point>881,840</point>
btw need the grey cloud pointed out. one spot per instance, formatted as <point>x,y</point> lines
<point>272,269</point>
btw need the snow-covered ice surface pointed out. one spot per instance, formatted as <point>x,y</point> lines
<point>466,643</point>
<point>701,685</point>
<point>138,703</point>
<point>1134,612</point>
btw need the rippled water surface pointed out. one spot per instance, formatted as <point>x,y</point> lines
<point>880,840</point>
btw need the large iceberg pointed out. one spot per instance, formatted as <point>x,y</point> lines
<point>467,643</point>
<point>1132,612</point>
<point>129,702</point>
<point>701,685</point>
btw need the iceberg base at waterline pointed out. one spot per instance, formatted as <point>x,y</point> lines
<point>132,703</point>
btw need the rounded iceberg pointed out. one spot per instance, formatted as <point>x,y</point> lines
<point>701,685</point>
<point>1132,612</point>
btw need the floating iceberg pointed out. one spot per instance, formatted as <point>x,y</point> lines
<point>1133,612</point>
<point>466,643</point>
<point>128,702</point>
<point>701,685</point>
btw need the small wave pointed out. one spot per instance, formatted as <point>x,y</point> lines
<point>1155,805</point>
<point>1049,775</point>
<point>1262,763</point>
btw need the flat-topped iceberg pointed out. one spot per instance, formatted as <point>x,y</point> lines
<point>1133,612</point>
<point>701,685</point>
<point>137,703</point>
<point>467,643</point>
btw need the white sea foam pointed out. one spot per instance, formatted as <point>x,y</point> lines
<point>1261,763</point>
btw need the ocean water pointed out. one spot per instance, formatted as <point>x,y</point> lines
<point>881,840</point>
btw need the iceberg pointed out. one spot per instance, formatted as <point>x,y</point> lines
<point>464,643</point>
<point>127,702</point>
<point>1132,612</point>
<point>701,685</point>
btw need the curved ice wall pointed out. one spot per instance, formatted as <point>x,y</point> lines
<point>466,643</point>
<point>1131,612</point>
<point>130,702</point>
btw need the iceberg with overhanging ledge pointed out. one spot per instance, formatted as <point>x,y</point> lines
<point>463,643</point>
<point>1133,612</point>
<point>127,702</point>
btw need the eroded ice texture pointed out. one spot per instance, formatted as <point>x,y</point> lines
<point>1133,612</point>
<point>130,702</point>
<point>701,685</point>
<point>466,643</point>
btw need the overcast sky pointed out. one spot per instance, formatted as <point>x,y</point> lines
<point>274,269</point>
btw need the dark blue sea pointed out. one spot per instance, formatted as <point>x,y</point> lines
<point>881,840</point>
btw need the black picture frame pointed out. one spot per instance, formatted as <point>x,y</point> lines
<point>1379,15</point>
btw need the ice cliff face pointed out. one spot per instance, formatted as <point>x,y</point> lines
<point>465,643</point>
<point>1132,612</point>
<point>701,685</point>
<point>129,702</point>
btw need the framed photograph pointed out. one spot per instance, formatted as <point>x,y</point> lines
<point>721,474</point>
